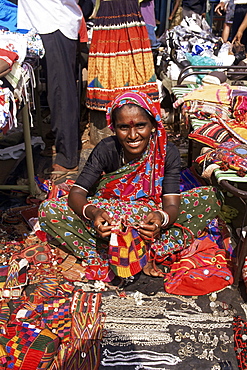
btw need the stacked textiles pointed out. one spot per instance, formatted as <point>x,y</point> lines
<point>217,114</point>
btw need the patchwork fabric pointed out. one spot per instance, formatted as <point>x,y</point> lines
<point>56,316</point>
<point>28,347</point>
<point>211,134</point>
<point>127,252</point>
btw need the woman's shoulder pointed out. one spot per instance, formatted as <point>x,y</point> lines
<point>171,147</point>
<point>172,155</point>
<point>107,145</point>
<point>109,141</point>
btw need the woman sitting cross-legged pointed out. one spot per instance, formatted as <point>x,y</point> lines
<point>128,193</point>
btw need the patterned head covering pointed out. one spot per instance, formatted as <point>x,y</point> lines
<point>141,179</point>
<point>133,97</point>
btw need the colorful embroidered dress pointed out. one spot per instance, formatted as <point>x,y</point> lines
<point>120,57</point>
<point>130,192</point>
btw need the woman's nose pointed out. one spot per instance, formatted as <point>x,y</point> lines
<point>133,132</point>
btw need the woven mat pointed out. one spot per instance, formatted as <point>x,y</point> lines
<point>169,332</point>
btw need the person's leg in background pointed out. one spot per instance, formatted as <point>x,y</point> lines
<point>148,14</point>
<point>226,32</point>
<point>62,98</point>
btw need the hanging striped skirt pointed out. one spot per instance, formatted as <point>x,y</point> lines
<point>120,56</point>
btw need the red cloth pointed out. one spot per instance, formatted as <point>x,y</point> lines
<point>8,56</point>
<point>83,36</point>
<point>206,270</point>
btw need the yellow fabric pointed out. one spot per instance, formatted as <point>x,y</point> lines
<point>212,93</point>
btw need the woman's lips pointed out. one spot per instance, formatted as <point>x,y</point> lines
<point>134,144</point>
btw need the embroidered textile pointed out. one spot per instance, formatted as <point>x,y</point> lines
<point>211,134</point>
<point>13,278</point>
<point>28,347</point>
<point>239,108</point>
<point>62,333</point>
<point>120,56</point>
<point>228,155</point>
<point>236,129</point>
<point>240,347</point>
<point>207,270</point>
<point>205,110</point>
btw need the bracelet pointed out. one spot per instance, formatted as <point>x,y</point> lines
<point>165,216</point>
<point>83,210</point>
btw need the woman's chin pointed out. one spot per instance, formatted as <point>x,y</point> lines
<point>134,152</point>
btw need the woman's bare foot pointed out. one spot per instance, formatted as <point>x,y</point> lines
<point>150,269</point>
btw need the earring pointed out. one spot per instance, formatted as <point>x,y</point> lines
<point>153,130</point>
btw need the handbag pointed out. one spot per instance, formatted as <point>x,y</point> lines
<point>127,251</point>
<point>207,270</point>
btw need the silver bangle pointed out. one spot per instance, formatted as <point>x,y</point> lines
<point>83,210</point>
<point>165,216</point>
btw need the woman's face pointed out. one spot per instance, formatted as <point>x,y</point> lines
<point>133,129</point>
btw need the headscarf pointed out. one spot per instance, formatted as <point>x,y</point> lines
<point>142,179</point>
<point>133,97</point>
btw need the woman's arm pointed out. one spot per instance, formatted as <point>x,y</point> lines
<point>241,30</point>
<point>77,200</point>
<point>176,6</point>
<point>170,204</point>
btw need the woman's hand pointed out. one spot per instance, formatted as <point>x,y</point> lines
<point>149,228</point>
<point>221,7</point>
<point>238,37</point>
<point>102,222</point>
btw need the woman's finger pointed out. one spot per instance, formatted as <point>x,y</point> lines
<point>103,230</point>
<point>150,233</point>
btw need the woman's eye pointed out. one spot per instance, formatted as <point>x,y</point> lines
<point>140,125</point>
<point>124,127</point>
